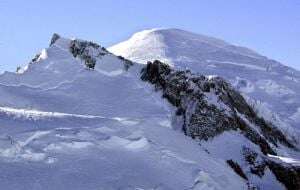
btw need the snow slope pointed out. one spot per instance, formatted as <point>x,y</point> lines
<point>64,126</point>
<point>270,86</point>
<point>83,152</point>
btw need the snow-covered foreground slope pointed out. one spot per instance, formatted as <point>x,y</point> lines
<point>79,117</point>
<point>63,151</point>
<point>270,86</point>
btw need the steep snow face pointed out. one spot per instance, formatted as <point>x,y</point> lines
<point>261,79</point>
<point>66,126</point>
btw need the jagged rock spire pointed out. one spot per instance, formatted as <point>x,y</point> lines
<point>54,38</point>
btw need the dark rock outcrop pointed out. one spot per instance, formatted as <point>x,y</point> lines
<point>210,106</point>
<point>127,63</point>
<point>285,173</point>
<point>89,52</point>
<point>256,163</point>
<point>54,38</point>
<point>35,59</point>
<point>203,119</point>
<point>83,50</point>
<point>236,167</point>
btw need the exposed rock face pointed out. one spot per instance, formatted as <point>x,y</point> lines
<point>256,163</point>
<point>80,49</point>
<point>87,51</point>
<point>54,38</point>
<point>236,167</point>
<point>287,174</point>
<point>204,118</point>
<point>210,106</point>
<point>36,57</point>
<point>127,63</point>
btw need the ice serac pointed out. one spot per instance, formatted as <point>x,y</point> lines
<point>269,86</point>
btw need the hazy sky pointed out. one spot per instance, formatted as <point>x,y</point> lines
<point>271,27</point>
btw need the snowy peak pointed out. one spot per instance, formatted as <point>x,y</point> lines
<point>171,45</point>
<point>54,38</point>
<point>64,61</point>
<point>147,40</point>
<point>271,87</point>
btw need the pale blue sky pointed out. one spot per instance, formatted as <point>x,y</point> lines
<point>271,27</point>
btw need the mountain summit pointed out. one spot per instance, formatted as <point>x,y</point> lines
<point>272,88</point>
<point>175,45</point>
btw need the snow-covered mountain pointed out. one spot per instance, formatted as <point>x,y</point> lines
<point>268,85</point>
<point>79,117</point>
